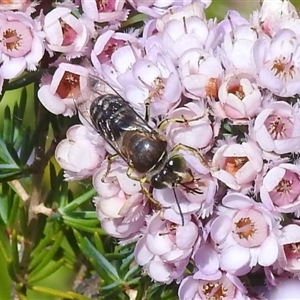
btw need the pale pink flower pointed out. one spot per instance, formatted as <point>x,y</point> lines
<point>200,72</point>
<point>81,153</point>
<point>272,14</point>
<point>57,94</point>
<point>232,20</point>
<point>122,216</point>
<point>237,165</point>
<point>181,33</point>
<point>65,33</point>
<point>287,289</point>
<point>157,83</point>
<point>159,8</point>
<point>239,98</point>
<point>280,189</point>
<point>289,254</point>
<point>276,128</point>
<point>195,9</point>
<point>245,232</point>
<point>226,287</point>
<point>20,5</point>
<point>238,50</point>
<point>21,44</point>
<point>197,134</point>
<point>106,11</point>
<point>120,205</point>
<point>207,262</point>
<point>106,44</point>
<point>165,248</point>
<point>115,181</point>
<point>277,62</point>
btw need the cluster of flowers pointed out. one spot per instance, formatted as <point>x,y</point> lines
<point>242,76</point>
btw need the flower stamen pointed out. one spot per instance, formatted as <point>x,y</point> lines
<point>214,291</point>
<point>69,85</point>
<point>245,228</point>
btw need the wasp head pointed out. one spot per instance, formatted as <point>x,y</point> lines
<point>173,172</point>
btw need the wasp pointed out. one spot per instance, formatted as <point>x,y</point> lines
<point>143,148</point>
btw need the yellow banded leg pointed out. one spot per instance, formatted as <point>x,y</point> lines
<point>142,181</point>
<point>181,120</point>
<point>191,150</point>
<point>110,159</point>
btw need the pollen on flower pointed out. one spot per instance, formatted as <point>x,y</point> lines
<point>111,48</point>
<point>245,228</point>
<point>287,189</point>
<point>69,85</point>
<point>11,39</point>
<point>214,290</point>
<point>277,126</point>
<point>237,91</point>
<point>292,251</point>
<point>212,87</point>
<point>105,5</point>
<point>249,228</point>
<point>284,186</point>
<point>233,164</point>
<point>283,69</point>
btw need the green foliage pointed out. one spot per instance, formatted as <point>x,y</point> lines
<point>47,228</point>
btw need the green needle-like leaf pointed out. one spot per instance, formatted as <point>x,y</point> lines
<point>80,221</point>
<point>4,245</point>
<point>46,272</point>
<point>77,202</point>
<point>103,267</point>
<point>132,272</point>
<point>14,210</point>
<point>98,243</point>
<point>79,225</point>
<point>15,251</point>
<point>58,294</point>
<point>49,255</point>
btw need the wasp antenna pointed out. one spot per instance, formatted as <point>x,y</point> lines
<point>196,191</point>
<point>179,208</point>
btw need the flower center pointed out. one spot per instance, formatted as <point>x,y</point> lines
<point>214,291</point>
<point>158,88</point>
<point>68,86</point>
<point>11,39</point>
<point>111,46</point>
<point>249,228</point>
<point>279,127</point>
<point>233,164</point>
<point>284,68</point>
<point>15,39</point>
<point>237,91</point>
<point>284,186</point>
<point>292,250</point>
<point>68,32</point>
<point>245,228</point>
<point>105,5</point>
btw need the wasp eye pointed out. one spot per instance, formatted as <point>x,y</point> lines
<point>157,181</point>
<point>176,164</point>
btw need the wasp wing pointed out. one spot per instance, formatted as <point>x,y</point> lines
<point>102,108</point>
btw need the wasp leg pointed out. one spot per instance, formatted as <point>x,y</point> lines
<point>142,181</point>
<point>181,120</point>
<point>147,112</point>
<point>191,150</point>
<point>110,159</point>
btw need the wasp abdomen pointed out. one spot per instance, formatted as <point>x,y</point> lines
<point>144,151</point>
